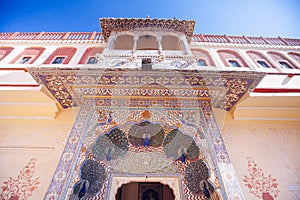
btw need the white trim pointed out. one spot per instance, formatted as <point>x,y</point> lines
<point>230,45</point>
<point>267,108</point>
<point>258,94</point>
<point>28,103</point>
<point>28,117</point>
<point>266,119</point>
<point>22,88</point>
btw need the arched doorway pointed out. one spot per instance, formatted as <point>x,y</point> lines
<point>144,191</point>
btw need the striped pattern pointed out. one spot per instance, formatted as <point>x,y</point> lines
<point>196,38</point>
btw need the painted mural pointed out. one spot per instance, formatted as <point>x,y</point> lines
<point>23,185</point>
<point>260,184</point>
<point>142,114</point>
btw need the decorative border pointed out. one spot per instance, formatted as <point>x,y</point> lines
<point>109,25</point>
<point>134,91</point>
<point>73,155</point>
<point>225,88</point>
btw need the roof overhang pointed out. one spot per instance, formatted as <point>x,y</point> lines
<point>109,25</point>
<point>128,86</point>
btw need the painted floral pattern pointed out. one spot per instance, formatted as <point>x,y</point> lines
<point>258,182</point>
<point>22,186</point>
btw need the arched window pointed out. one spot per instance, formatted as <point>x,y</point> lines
<point>123,42</point>
<point>283,61</point>
<point>203,57</point>
<point>4,51</point>
<point>232,59</point>
<point>260,60</point>
<point>89,56</point>
<point>170,42</point>
<point>295,56</point>
<point>28,56</point>
<point>61,55</point>
<point>147,42</point>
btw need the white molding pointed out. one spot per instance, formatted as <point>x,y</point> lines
<point>29,103</point>
<point>266,119</point>
<point>28,117</point>
<point>267,108</point>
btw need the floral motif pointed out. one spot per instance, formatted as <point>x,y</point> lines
<point>237,86</point>
<point>258,183</point>
<point>23,186</point>
<point>230,86</point>
<point>124,24</point>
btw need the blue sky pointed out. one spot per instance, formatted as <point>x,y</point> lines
<point>268,18</point>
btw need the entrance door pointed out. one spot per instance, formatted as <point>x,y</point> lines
<point>145,191</point>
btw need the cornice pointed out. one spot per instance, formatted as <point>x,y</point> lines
<point>235,45</point>
<point>108,25</point>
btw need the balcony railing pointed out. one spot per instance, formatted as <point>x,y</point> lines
<point>97,36</point>
<point>245,40</point>
<point>52,36</point>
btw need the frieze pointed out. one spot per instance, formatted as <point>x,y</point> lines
<point>70,86</point>
<point>108,25</point>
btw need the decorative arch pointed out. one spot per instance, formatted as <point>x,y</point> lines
<point>67,52</point>
<point>140,189</point>
<point>258,56</point>
<point>33,52</point>
<point>147,42</point>
<point>171,42</point>
<point>4,51</point>
<point>175,145</point>
<point>170,181</point>
<point>202,54</point>
<point>295,56</point>
<point>124,42</point>
<point>279,58</point>
<point>227,55</point>
<point>90,52</point>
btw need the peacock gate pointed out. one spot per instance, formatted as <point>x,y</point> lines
<point>145,131</point>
